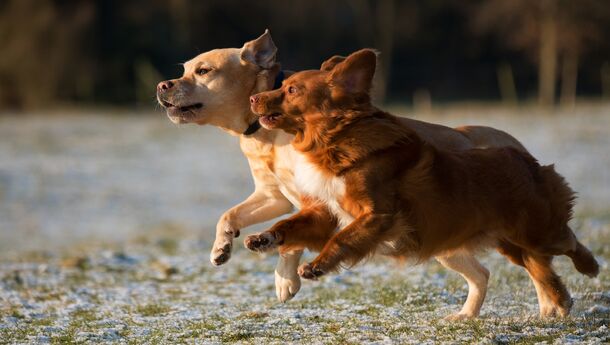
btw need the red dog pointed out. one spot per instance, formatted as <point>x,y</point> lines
<point>391,192</point>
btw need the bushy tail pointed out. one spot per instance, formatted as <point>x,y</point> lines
<point>561,198</point>
<point>583,260</point>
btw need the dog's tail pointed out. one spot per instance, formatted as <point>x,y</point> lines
<point>583,260</point>
<point>559,194</point>
<point>561,198</point>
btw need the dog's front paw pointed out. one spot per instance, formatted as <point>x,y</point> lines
<point>221,253</point>
<point>261,242</point>
<point>309,271</point>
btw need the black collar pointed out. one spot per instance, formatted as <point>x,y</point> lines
<point>255,126</point>
<point>279,78</point>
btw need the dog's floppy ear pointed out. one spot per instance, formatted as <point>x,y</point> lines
<point>260,51</point>
<point>355,74</point>
<point>329,64</point>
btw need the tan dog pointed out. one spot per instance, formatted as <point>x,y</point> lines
<point>215,89</point>
<point>389,191</point>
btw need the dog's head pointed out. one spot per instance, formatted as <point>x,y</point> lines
<point>343,84</point>
<point>215,86</point>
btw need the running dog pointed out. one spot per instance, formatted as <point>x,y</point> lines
<point>390,191</point>
<point>214,90</point>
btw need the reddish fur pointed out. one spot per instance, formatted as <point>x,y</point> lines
<point>427,201</point>
<point>311,228</point>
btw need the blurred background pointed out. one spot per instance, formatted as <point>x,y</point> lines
<point>85,155</point>
<point>108,52</point>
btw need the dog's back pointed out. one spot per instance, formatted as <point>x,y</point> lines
<point>491,195</point>
<point>483,194</point>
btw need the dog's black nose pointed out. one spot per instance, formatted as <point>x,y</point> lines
<point>165,85</point>
<point>253,99</point>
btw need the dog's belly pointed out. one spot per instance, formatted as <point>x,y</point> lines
<point>401,239</point>
<point>310,181</point>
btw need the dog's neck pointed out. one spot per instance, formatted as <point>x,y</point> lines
<point>337,142</point>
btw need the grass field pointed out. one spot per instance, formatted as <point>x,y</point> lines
<point>106,225</point>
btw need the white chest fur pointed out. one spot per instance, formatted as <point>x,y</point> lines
<point>309,180</point>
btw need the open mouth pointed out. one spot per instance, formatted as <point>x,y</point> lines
<point>269,120</point>
<point>183,109</point>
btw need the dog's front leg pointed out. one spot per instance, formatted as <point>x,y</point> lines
<point>310,228</point>
<point>349,245</point>
<point>259,207</point>
<point>287,281</point>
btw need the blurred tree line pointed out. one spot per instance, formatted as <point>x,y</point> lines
<point>94,52</point>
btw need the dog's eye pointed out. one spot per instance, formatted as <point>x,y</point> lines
<point>292,89</point>
<point>202,71</point>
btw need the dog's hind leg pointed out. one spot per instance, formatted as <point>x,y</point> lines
<point>554,298</point>
<point>515,255</point>
<point>476,276</point>
<point>565,243</point>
